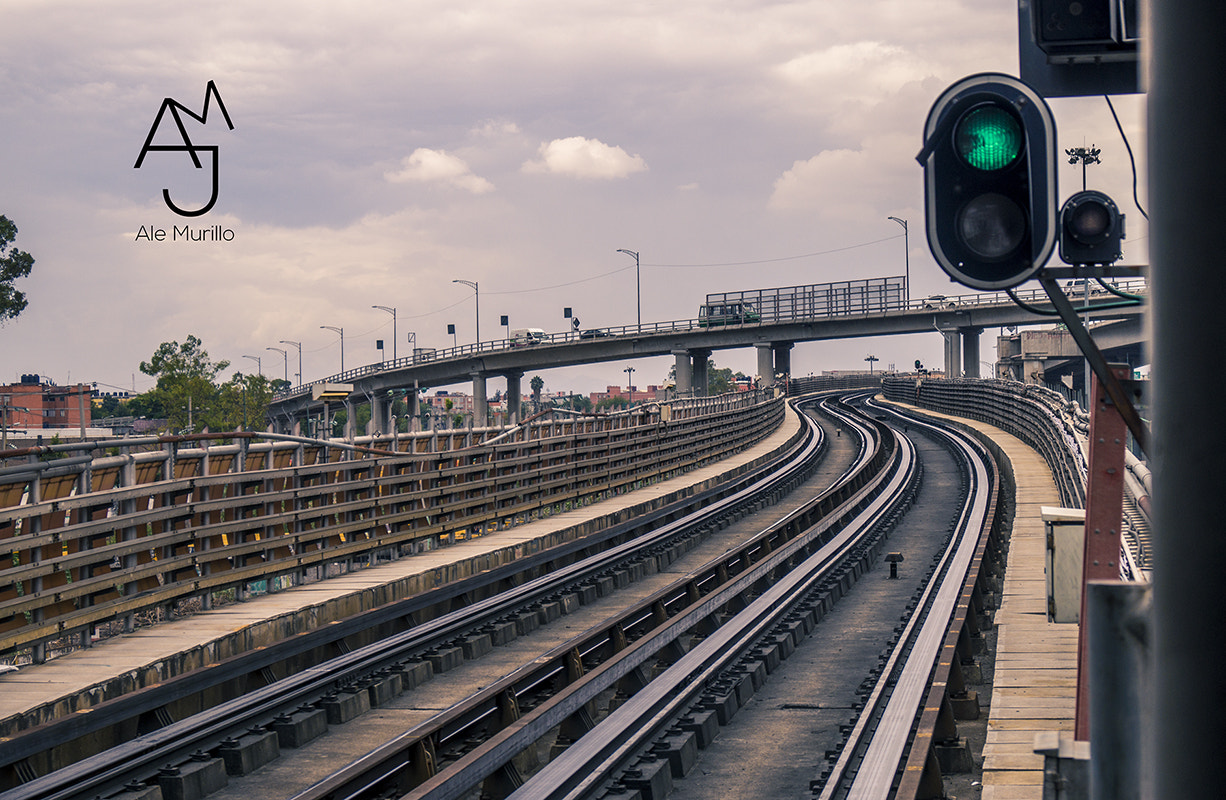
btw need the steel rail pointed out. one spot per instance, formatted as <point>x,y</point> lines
<point>176,742</point>
<point>868,766</point>
<point>114,712</point>
<point>594,762</point>
<point>633,638</point>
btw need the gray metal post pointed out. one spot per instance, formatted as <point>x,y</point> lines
<point>1118,626</point>
<point>1187,184</point>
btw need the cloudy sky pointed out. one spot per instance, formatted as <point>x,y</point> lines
<point>381,150</point>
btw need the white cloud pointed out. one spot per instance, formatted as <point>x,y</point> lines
<point>585,158</point>
<point>439,166</point>
<point>846,184</point>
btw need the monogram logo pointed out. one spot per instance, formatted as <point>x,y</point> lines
<point>193,151</point>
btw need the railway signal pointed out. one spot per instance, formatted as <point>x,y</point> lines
<point>990,181</point>
<point>1091,229</point>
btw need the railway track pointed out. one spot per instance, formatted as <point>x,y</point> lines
<point>609,700</point>
<point>490,606</point>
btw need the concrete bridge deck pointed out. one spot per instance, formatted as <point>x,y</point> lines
<point>1035,673</point>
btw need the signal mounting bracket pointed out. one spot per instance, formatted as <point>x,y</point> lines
<point>1114,387</point>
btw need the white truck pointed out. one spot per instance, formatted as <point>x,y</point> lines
<point>526,337</point>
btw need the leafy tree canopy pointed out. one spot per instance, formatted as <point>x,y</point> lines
<point>14,264</point>
<point>185,389</point>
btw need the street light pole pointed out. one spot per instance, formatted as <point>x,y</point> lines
<point>638,284</point>
<point>629,385</point>
<point>906,244</point>
<point>477,305</point>
<point>341,331</point>
<point>259,366</point>
<point>299,346</point>
<point>391,311</point>
<point>284,358</point>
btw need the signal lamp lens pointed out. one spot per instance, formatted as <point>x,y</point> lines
<point>989,138</point>
<point>991,226</point>
<point>1089,222</point>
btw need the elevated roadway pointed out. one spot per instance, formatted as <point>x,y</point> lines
<point>960,319</point>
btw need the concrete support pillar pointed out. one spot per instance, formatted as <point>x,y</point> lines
<point>380,414</point>
<point>700,371</point>
<point>514,394</point>
<point>684,368</point>
<point>413,411</point>
<point>783,358</point>
<point>351,422</point>
<point>481,407</point>
<point>953,354</point>
<point>970,351</point>
<point>766,365</point>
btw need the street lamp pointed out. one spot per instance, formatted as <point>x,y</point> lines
<point>477,303</point>
<point>870,361</point>
<point>391,311</point>
<point>299,346</point>
<point>285,359</point>
<point>638,285</point>
<point>341,331</point>
<point>629,385</point>
<point>906,244</point>
<point>259,367</point>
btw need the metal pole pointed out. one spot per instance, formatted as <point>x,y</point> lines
<point>638,284</point>
<point>391,311</point>
<point>341,331</point>
<point>906,243</point>
<point>284,360</point>
<point>299,346</point>
<point>1187,286</point>
<point>477,305</point>
<point>1119,623</point>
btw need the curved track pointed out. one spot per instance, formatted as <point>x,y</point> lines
<point>613,698</point>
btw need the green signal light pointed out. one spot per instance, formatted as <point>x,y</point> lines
<point>989,138</point>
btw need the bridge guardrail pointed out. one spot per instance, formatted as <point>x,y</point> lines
<point>1038,416</point>
<point>89,540</point>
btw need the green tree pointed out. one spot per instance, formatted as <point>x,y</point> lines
<point>537,383</point>
<point>243,402</point>
<point>608,403</point>
<point>14,264</point>
<point>186,388</point>
<point>719,381</point>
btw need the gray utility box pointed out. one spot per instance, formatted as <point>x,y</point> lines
<point>1065,529</point>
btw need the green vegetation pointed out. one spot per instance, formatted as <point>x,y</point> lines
<point>14,264</point>
<point>189,396</point>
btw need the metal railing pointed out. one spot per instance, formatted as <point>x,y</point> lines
<point>1038,416</point>
<point>94,533</point>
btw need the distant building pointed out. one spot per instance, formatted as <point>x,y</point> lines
<point>634,395</point>
<point>35,404</point>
